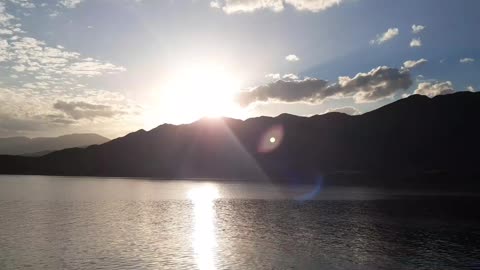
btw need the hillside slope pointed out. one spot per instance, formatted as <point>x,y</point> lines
<point>411,138</point>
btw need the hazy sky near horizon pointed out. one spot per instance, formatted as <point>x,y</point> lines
<point>115,66</point>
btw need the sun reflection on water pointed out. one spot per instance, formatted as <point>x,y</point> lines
<point>204,241</point>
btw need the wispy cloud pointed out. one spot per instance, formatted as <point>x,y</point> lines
<point>313,5</point>
<point>290,76</point>
<point>277,76</point>
<point>417,28</point>
<point>411,64</point>
<point>70,3</point>
<point>292,58</point>
<point>467,60</point>
<point>84,110</point>
<point>40,74</point>
<point>384,37</point>
<point>22,53</point>
<point>247,6</point>
<point>23,3</point>
<point>273,76</point>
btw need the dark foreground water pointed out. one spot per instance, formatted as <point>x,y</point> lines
<point>97,223</point>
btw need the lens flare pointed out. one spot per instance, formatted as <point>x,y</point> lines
<point>313,192</point>
<point>271,139</point>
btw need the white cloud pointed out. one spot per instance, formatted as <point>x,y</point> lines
<point>471,89</point>
<point>23,3</point>
<point>313,5</point>
<point>5,18</point>
<point>3,50</point>
<point>410,64</point>
<point>277,76</point>
<point>290,76</point>
<point>54,14</point>
<point>6,32</point>
<point>214,4</point>
<point>388,35</point>
<point>19,68</point>
<point>292,58</point>
<point>273,76</point>
<point>246,6</point>
<point>70,3</point>
<point>417,28</point>
<point>39,74</point>
<point>434,89</point>
<point>416,42</point>
<point>467,60</point>
<point>27,54</point>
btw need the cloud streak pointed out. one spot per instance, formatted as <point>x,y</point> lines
<point>70,3</point>
<point>384,37</point>
<point>292,58</point>
<point>467,60</point>
<point>417,28</point>
<point>411,64</point>
<point>84,110</point>
<point>248,6</point>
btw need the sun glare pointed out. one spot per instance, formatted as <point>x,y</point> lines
<point>205,193</point>
<point>197,91</point>
<point>203,237</point>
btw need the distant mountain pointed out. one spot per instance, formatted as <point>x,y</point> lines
<point>37,154</point>
<point>44,145</point>
<point>413,141</point>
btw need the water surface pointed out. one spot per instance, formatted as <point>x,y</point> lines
<point>102,223</point>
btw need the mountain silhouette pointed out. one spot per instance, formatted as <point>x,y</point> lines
<point>415,141</point>
<point>44,145</point>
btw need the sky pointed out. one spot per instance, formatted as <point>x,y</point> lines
<point>115,66</point>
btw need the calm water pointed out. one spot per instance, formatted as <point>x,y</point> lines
<point>98,223</point>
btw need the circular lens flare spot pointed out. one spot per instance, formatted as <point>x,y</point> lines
<point>271,139</point>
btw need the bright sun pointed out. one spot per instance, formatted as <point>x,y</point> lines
<point>196,91</point>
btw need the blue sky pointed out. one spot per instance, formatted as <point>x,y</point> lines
<point>114,66</point>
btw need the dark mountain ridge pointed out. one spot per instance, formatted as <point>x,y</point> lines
<point>413,141</point>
